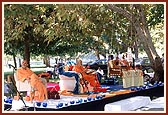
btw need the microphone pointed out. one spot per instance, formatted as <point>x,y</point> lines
<point>12,66</point>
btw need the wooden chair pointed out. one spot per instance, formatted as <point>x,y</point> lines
<point>114,70</point>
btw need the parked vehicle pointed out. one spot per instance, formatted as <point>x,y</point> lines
<point>102,63</point>
<point>148,74</point>
<point>141,63</point>
<point>145,65</point>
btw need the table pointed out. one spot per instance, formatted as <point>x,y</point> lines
<point>90,106</point>
<point>99,104</point>
<point>128,104</point>
<point>132,78</point>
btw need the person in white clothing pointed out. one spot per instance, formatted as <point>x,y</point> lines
<point>99,70</point>
<point>100,73</point>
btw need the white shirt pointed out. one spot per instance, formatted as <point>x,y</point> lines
<point>100,71</point>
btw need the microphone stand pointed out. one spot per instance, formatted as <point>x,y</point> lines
<point>21,97</point>
<point>14,68</point>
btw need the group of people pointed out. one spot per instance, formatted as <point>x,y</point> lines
<point>117,63</point>
<point>83,76</point>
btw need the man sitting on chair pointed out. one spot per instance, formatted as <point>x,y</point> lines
<point>88,74</point>
<point>24,73</point>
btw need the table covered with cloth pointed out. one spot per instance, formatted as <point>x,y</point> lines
<point>132,78</point>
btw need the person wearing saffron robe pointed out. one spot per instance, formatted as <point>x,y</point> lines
<point>88,74</point>
<point>24,73</point>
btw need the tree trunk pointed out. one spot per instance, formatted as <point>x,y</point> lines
<point>14,59</point>
<point>135,49</point>
<point>47,61</point>
<point>26,51</point>
<point>143,33</point>
<point>139,23</point>
<point>159,71</point>
<point>20,62</point>
<point>97,53</point>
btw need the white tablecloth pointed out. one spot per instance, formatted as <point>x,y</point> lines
<point>129,104</point>
<point>51,103</point>
<point>157,103</point>
<point>132,78</point>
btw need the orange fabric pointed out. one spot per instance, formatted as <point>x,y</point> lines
<point>35,82</point>
<point>121,92</point>
<point>38,85</point>
<point>27,98</point>
<point>116,63</point>
<point>23,74</point>
<point>44,74</point>
<point>91,78</point>
<point>124,62</point>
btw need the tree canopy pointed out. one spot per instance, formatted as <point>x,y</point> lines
<point>59,29</point>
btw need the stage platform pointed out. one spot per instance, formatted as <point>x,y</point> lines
<point>92,102</point>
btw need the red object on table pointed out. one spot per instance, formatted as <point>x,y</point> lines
<point>53,89</point>
<point>99,89</point>
<point>53,86</point>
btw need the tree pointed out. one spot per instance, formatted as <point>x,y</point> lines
<point>32,25</point>
<point>19,21</point>
<point>89,24</point>
<point>60,29</point>
<point>139,21</point>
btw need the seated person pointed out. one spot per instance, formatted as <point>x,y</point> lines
<point>116,62</point>
<point>24,73</point>
<point>69,74</point>
<point>124,62</point>
<point>114,67</point>
<point>111,61</point>
<point>88,74</point>
<point>100,73</point>
<point>9,89</point>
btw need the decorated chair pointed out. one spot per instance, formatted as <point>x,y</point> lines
<point>115,72</point>
<point>114,68</point>
<point>25,86</point>
<point>22,86</point>
<point>67,83</point>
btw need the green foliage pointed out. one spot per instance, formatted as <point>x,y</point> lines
<point>156,15</point>
<point>59,29</point>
